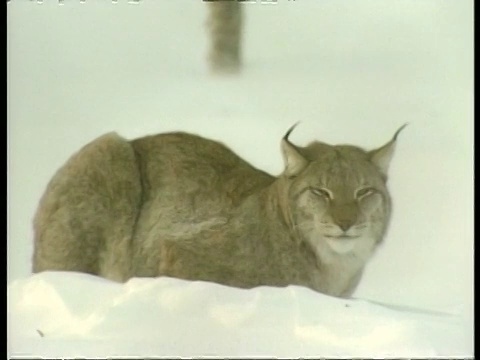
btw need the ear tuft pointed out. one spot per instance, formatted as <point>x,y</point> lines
<point>294,161</point>
<point>382,156</point>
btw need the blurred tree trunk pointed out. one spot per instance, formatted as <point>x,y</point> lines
<point>225,35</point>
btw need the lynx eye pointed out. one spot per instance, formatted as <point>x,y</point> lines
<point>322,192</point>
<point>361,193</point>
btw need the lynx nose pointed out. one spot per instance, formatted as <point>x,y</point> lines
<point>345,215</point>
<point>345,224</point>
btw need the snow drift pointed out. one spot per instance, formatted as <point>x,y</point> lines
<point>69,314</point>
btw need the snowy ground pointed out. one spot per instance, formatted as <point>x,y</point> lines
<point>81,315</point>
<point>351,71</point>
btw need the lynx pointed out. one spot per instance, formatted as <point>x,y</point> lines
<point>183,206</point>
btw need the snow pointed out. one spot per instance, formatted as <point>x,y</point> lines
<point>350,71</point>
<point>77,314</point>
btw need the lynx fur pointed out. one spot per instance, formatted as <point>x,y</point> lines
<point>224,24</point>
<point>183,206</point>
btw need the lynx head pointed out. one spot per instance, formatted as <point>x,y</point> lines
<point>335,198</point>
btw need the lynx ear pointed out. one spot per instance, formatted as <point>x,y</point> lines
<point>294,161</point>
<point>381,157</point>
